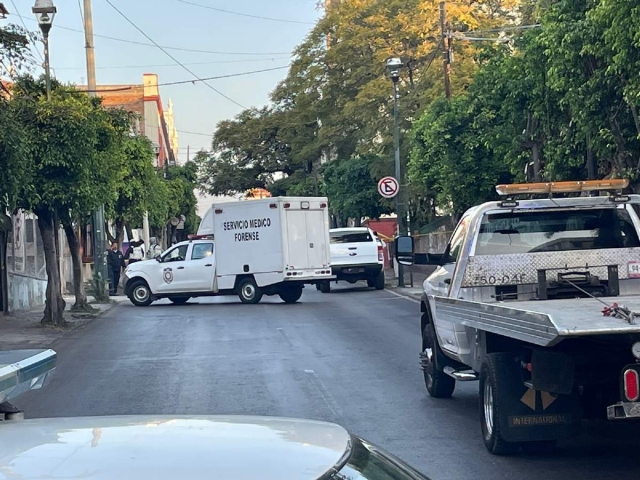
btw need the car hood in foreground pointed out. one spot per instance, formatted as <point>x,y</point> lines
<point>169,447</point>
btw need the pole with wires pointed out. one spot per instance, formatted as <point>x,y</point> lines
<point>99,223</point>
<point>446,48</point>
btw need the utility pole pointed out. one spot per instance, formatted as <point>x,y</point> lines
<point>446,49</point>
<point>99,235</point>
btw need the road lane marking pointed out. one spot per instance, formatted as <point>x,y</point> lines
<point>326,396</point>
<point>403,296</point>
<point>285,337</point>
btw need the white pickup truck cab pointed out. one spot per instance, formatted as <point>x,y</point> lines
<point>356,254</point>
<point>539,300</point>
<point>250,248</point>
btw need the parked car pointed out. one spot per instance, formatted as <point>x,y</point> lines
<point>356,254</point>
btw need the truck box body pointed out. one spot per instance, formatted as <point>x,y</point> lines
<point>275,239</point>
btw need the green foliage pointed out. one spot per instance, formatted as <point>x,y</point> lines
<point>450,158</point>
<point>351,187</point>
<point>336,100</point>
<point>72,147</point>
<point>137,182</point>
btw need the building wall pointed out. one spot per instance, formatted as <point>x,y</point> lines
<point>26,270</point>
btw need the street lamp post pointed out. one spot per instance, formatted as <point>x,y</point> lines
<point>393,67</point>
<point>45,11</point>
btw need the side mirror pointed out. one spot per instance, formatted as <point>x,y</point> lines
<point>404,247</point>
<point>158,258</point>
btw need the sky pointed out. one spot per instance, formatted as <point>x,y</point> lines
<point>252,44</point>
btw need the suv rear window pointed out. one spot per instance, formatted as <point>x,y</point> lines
<point>555,231</point>
<point>350,237</point>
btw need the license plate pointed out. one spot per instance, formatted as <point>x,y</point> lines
<point>633,269</point>
<point>354,270</point>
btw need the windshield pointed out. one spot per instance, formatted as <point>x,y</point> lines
<point>555,231</point>
<point>351,237</point>
<point>368,462</point>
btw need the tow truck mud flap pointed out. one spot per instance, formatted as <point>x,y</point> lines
<point>531,415</point>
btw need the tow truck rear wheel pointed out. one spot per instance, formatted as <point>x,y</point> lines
<point>140,293</point>
<point>438,383</point>
<point>249,292</point>
<point>291,293</point>
<point>490,417</point>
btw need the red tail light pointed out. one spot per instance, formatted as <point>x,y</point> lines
<point>631,385</point>
<point>273,205</point>
<point>218,210</point>
<point>323,205</point>
<point>286,205</point>
<point>380,254</point>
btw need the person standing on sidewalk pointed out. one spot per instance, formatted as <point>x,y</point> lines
<point>115,263</point>
<point>135,253</point>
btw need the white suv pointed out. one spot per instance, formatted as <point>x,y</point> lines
<point>356,254</point>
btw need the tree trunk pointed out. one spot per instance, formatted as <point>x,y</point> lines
<point>119,233</point>
<point>537,164</point>
<point>110,237</point>
<point>129,231</point>
<point>55,304</point>
<point>81,303</point>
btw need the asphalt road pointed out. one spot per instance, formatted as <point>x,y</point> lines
<point>349,357</point>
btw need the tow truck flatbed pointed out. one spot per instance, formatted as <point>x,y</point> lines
<point>540,322</point>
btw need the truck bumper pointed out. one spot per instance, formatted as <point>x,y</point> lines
<point>623,411</point>
<point>356,272</point>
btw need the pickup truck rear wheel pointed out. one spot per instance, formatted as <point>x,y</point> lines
<point>325,286</point>
<point>438,383</point>
<point>490,418</point>
<point>179,300</point>
<point>290,294</point>
<point>249,292</point>
<point>379,285</point>
<point>140,293</point>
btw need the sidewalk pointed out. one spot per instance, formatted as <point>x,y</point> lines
<point>22,329</point>
<point>419,273</point>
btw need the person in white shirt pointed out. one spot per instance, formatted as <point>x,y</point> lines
<point>135,252</point>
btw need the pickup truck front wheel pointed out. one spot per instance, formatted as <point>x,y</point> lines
<point>490,389</point>
<point>249,292</point>
<point>438,383</point>
<point>140,293</point>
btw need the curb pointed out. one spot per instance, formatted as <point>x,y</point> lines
<point>402,292</point>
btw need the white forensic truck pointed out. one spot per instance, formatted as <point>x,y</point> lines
<point>248,248</point>
<point>539,300</point>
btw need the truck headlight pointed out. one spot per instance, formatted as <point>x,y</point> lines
<point>635,349</point>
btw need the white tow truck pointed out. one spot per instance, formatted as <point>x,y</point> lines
<point>250,248</point>
<point>539,300</point>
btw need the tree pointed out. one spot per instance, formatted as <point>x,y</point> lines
<point>352,189</point>
<point>14,158</point>
<point>136,185</point>
<point>71,142</point>
<point>336,100</point>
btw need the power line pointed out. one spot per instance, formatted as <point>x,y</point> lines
<point>172,57</point>
<point>272,59</point>
<point>507,28</point>
<point>81,12</point>
<point>230,12</point>
<point>28,34</point>
<point>133,42</point>
<point>223,76</point>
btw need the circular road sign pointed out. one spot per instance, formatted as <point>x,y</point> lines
<point>388,187</point>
